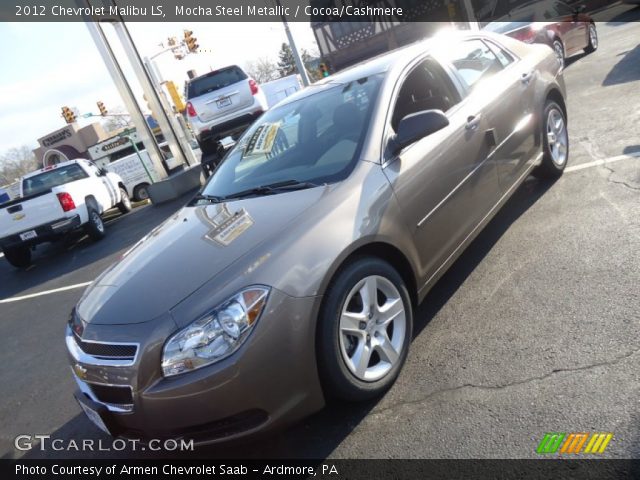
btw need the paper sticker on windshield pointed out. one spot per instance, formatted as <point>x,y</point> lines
<point>263,139</point>
<point>233,227</point>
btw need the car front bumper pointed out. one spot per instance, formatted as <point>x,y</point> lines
<point>270,381</point>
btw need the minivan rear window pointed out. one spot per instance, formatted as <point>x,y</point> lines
<point>215,81</point>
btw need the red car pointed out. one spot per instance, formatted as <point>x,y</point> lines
<point>565,29</point>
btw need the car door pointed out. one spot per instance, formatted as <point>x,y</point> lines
<point>104,190</point>
<point>443,182</point>
<point>572,31</point>
<point>513,115</point>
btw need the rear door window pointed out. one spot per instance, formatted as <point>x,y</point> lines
<point>474,61</point>
<point>215,81</point>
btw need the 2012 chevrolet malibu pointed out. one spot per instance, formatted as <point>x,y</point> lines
<point>292,277</point>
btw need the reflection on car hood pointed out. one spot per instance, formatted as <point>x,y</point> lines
<point>186,251</point>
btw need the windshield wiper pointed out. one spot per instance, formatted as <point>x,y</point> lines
<point>201,197</point>
<point>277,187</point>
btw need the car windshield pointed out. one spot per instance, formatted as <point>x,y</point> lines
<point>52,178</point>
<point>313,140</point>
<point>215,81</point>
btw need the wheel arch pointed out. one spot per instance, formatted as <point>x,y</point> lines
<point>91,202</point>
<point>384,251</point>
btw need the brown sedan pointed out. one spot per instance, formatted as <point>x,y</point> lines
<point>294,275</point>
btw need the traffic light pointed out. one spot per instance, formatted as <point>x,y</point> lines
<point>68,115</point>
<point>190,41</point>
<point>102,108</point>
<point>324,70</point>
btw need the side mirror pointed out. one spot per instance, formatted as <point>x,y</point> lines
<point>102,172</point>
<point>418,125</point>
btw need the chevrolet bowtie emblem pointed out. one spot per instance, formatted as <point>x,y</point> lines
<point>18,216</point>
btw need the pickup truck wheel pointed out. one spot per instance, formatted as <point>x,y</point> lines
<point>19,257</point>
<point>364,330</point>
<point>125,204</point>
<point>95,226</point>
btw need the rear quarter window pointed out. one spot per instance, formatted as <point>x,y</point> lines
<point>215,81</point>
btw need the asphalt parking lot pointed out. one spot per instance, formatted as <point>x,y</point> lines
<point>534,329</point>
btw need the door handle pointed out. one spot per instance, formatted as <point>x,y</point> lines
<point>473,121</point>
<point>526,77</point>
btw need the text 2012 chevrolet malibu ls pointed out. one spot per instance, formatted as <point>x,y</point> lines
<point>293,276</point>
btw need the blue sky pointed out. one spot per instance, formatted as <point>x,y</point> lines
<point>50,65</point>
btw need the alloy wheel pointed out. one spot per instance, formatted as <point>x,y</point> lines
<point>557,137</point>
<point>372,328</point>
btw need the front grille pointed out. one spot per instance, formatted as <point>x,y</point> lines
<point>112,395</point>
<point>107,350</point>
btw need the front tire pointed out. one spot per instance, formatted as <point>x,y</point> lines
<point>592,46</point>
<point>125,204</point>
<point>364,331</point>
<point>555,142</point>
<point>95,226</point>
<point>19,257</point>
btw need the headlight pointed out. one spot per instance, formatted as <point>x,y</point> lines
<point>216,335</point>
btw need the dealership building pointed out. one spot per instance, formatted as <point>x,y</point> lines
<point>69,142</point>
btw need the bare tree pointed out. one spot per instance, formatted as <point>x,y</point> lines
<point>262,70</point>
<point>15,163</point>
<point>121,120</point>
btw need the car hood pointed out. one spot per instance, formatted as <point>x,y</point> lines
<point>186,251</point>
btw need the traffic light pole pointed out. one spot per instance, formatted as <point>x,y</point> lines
<point>157,80</point>
<point>137,117</point>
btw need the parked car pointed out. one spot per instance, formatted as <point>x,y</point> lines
<point>56,200</point>
<point>297,269</point>
<point>222,103</point>
<point>565,29</point>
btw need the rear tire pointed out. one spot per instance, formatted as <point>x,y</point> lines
<point>555,142</point>
<point>141,192</point>
<point>558,49</point>
<point>95,226</point>
<point>359,359</point>
<point>125,204</point>
<point>19,257</point>
<point>592,46</point>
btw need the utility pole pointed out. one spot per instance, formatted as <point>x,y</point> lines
<point>301,68</point>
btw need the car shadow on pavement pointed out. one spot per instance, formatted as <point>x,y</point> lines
<point>626,70</point>
<point>51,261</point>
<point>317,436</point>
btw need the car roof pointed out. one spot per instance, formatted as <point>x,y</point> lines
<point>387,62</point>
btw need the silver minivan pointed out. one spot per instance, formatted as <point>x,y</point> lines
<point>223,103</point>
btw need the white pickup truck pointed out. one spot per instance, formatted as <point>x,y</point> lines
<point>56,200</point>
